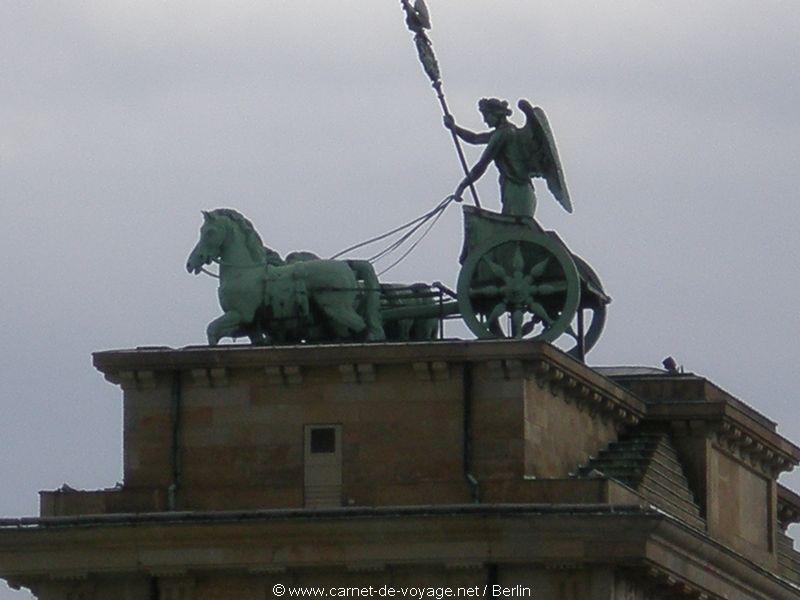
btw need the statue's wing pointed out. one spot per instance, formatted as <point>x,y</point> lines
<point>544,161</point>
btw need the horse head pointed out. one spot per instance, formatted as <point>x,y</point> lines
<point>212,237</point>
<point>230,239</point>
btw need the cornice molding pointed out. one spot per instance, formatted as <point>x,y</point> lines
<point>749,449</point>
<point>586,396</point>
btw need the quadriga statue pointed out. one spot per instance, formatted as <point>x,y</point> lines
<point>269,300</point>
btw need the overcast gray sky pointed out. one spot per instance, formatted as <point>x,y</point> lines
<point>677,123</point>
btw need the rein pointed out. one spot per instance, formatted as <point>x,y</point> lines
<point>410,228</point>
<point>223,263</point>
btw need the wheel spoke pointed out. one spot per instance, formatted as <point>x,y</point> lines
<point>496,269</point>
<point>496,312</point>
<point>540,312</point>
<point>486,291</point>
<point>538,269</point>
<point>552,288</point>
<point>517,262</point>
<point>516,323</point>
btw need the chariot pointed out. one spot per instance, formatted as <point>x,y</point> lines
<point>516,281</point>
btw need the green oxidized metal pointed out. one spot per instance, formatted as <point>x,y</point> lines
<point>519,153</point>
<point>516,281</point>
<point>512,272</point>
<point>306,300</point>
<point>303,298</point>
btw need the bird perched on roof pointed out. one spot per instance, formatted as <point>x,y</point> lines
<point>670,365</point>
<point>417,17</point>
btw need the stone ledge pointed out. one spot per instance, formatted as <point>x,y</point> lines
<point>65,504</point>
<point>563,376</point>
<point>237,356</point>
<point>362,538</point>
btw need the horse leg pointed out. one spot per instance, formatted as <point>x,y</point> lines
<point>223,326</point>
<point>425,329</point>
<point>258,332</point>
<point>404,329</point>
<point>344,320</point>
<point>372,305</point>
<point>259,337</point>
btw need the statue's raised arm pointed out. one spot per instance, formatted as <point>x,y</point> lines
<point>471,137</point>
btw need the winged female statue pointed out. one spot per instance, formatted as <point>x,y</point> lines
<point>519,153</point>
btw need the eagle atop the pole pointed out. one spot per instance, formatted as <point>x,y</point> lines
<point>418,20</point>
<point>417,17</point>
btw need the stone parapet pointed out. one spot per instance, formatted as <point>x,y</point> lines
<point>445,422</point>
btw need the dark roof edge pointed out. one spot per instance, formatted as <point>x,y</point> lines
<point>319,513</point>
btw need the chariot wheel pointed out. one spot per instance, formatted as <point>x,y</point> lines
<point>592,310</point>
<point>595,321</point>
<point>519,287</point>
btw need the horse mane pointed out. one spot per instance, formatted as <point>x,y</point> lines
<point>252,240</point>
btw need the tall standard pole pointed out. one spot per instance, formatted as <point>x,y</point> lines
<point>418,20</point>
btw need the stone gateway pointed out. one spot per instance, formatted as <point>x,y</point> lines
<point>493,465</point>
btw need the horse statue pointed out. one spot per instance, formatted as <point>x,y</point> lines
<point>270,300</point>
